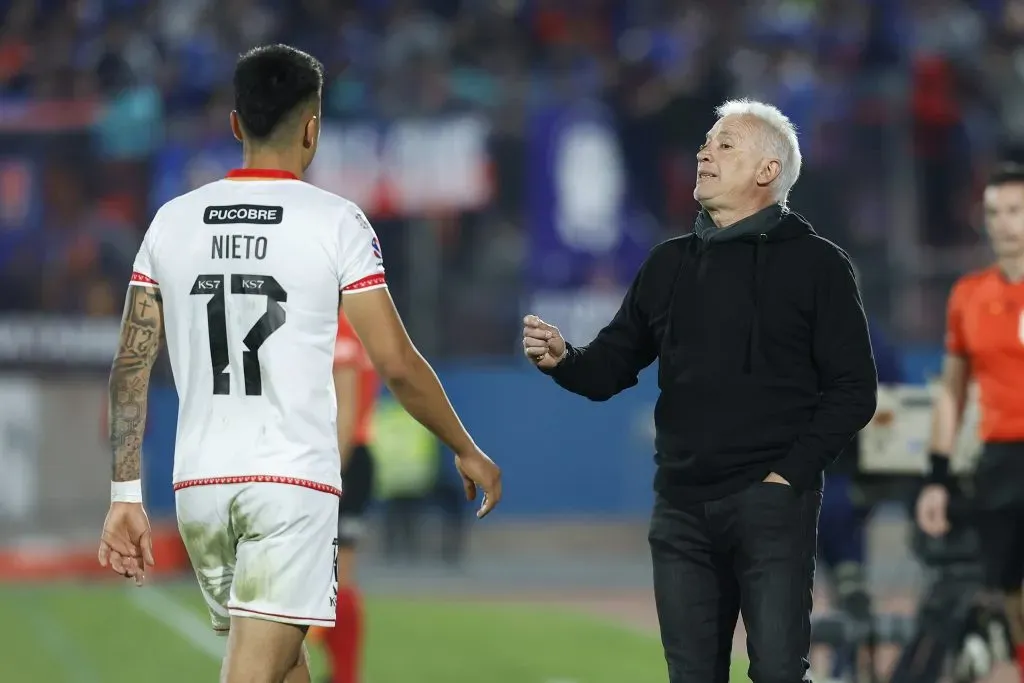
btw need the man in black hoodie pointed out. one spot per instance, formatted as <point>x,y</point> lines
<point>766,374</point>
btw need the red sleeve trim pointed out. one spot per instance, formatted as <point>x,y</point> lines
<point>140,279</point>
<point>368,282</point>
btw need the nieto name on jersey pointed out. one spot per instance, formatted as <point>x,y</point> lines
<point>238,247</point>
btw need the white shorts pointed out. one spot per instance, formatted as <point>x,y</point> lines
<point>262,550</point>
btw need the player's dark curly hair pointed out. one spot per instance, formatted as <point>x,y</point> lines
<point>1006,173</point>
<point>271,81</point>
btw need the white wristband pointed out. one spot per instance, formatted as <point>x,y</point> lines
<point>126,491</point>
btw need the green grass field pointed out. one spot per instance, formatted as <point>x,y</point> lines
<point>92,634</point>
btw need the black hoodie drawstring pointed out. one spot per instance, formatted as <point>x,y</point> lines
<point>755,358</point>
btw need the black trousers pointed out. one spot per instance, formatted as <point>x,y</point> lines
<point>750,553</point>
<point>999,514</point>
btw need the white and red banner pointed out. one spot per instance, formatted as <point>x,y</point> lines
<point>408,167</point>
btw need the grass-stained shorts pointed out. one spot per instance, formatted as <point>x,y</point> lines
<point>262,550</point>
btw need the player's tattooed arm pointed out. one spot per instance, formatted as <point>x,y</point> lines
<point>141,331</point>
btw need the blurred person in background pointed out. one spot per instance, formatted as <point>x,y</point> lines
<point>845,509</point>
<point>85,248</point>
<point>766,374</point>
<point>947,37</point>
<point>985,343</point>
<point>405,512</point>
<point>451,506</point>
<point>406,471</point>
<point>356,385</point>
<point>256,458</point>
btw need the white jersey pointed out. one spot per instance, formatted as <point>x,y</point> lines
<point>250,273</point>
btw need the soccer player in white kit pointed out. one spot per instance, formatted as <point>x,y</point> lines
<point>244,277</point>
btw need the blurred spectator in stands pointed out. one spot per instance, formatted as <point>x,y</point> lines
<point>87,248</point>
<point>16,47</point>
<point>946,36</point>
<point>1004,73</point>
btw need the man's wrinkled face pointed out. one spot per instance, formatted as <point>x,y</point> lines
<point>730,162</point>
<point>1004,218</point>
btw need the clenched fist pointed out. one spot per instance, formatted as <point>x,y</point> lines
<point>542,343</point>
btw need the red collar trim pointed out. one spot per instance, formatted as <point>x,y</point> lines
<point>263,173</point>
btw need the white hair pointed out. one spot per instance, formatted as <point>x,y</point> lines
<point>779,139</point>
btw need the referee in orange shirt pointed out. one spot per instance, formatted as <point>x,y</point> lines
<point>985,341</point>
<point>357,386</point>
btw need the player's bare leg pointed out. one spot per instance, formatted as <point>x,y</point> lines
<point>262,651</point>
<point>300,672</point>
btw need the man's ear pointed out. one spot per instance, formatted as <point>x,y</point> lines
<point>236,126</point>
<point>309,133</point>
<point>769,170</point>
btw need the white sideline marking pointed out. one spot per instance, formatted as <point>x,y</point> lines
<point>182,621</point>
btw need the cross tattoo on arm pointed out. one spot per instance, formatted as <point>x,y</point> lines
<point>141,329</point>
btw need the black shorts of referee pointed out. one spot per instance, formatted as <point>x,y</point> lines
<point>357,492</point>
<point>999,514</point>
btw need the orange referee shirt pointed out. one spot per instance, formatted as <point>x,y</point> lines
<point>349,352</point>
<point>985,325</point>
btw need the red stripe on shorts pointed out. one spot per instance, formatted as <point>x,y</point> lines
<point>258,479</point>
